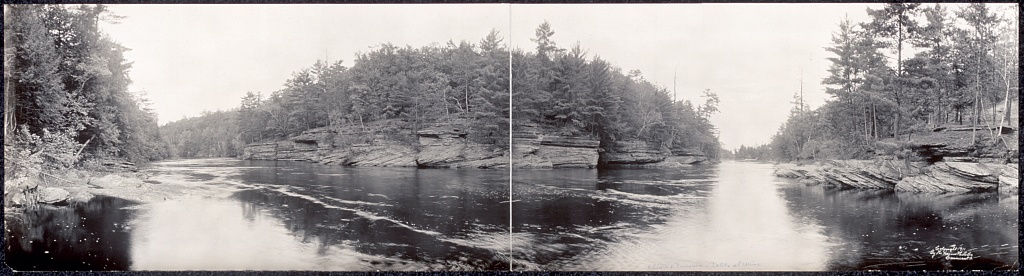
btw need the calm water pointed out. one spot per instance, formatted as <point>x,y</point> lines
<point>281,216</point>
<point>737,216</point>
<point>298,216</point>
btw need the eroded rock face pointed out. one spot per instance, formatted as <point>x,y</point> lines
<point>900,175</point>
<point>445,147</point>
<point>260,151</point>
<point>439,146</point>
<point>638,153</point>
<point>530,149</point>
<point>633,152</point>
<point>372,155</point>
<point>954,177</point>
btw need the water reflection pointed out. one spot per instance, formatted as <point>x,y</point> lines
<point>93,235</point>
<point>210,234</point>
<point>887,230</point>
<point>738,217</point>
<point>299,216</point>
<point>418,219</point>
<point>560,216</point>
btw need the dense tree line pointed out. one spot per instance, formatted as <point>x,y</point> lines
<point>761,153</point>
<point>910,68</point>
<point>213,134</point>
<point>564,92</point>
<point>390,91</point>
<point>66,90</point>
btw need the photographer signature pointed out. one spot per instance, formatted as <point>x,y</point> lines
<point>952,252</point>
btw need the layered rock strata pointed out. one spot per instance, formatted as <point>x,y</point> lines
<point>436,147</point>
<point>901,175</point>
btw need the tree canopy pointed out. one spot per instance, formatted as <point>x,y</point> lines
<point>960,72</point>
<point>66,88</point>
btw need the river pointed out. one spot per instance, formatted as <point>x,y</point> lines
<point>734,216</point>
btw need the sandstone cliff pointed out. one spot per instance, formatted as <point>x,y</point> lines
<point>531,148</point>
<point>440,146</point>
<point>638,153</point>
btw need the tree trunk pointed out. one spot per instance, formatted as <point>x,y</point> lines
<point>977,116</point>
<point>444,96</point>
<point>874,121</point>
<point>898,82</point>
<point>867,126</point>
<point>1006,99</point>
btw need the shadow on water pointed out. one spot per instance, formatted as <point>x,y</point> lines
<point>92,235</point>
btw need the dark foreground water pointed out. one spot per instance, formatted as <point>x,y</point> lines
<point>299,216</point>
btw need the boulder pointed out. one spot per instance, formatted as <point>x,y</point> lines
<point>50,195</point>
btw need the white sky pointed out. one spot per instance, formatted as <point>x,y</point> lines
<point>751,55</point>
<point>191,58</point>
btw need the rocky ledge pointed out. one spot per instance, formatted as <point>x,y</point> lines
<point>441,146</point>
<point>904,175</point>
<point>532,149</point>
<point>638,153</point>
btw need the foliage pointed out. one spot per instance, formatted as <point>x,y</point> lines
<point>50,150</point>
<point>960,68</point>
<point>392,92</point>
<point>67,79</point>
<point>213,134</point>
<point>565,92</point>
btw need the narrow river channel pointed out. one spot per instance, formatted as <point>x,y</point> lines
<point>268,215</point>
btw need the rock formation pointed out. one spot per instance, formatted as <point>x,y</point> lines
<point>638,153</point>
<point>533,149</point>
<point>439,146</point>
<point>902,175</point>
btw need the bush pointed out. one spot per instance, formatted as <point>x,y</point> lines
<point>50,151</point>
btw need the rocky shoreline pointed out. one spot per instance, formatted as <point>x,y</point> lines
<point>435,147</point>
<point>940,161</point>
<point>78,186</point>
<point>902,175</point>
<point>446,146</point>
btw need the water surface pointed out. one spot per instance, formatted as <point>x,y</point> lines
<point>734,216</point>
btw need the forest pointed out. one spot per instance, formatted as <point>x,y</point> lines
<point>67,101</point>
<point>395,91</point>
<point>911,68</point>
<point>389,92</point>
<point>66,98</point>
<point>565,92</point>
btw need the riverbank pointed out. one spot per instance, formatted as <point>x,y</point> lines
<point>72,186</point>
<point>447,146</point>
<point>899,175</point>
<point>438,146</point>
<point>941,161</point>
